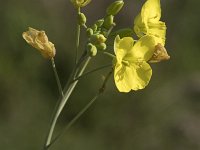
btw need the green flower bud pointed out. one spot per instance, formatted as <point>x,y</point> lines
<point>101,46</point>
<point>97,39</point>
<point>81,19</point>
<point>91,49</point>
<point>80,3</point>
<point>108,22</point>
<point>89,32</point>
<point>94,27</point>
<point>115,7</point>
<point>101,38</point>
<point>99,22</point>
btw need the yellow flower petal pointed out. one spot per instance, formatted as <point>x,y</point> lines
<point>147,22</point>
<point>122,47</point>
<point>158,29</point>
<point>142,50</point>
<point>132,77</point>
<point>123,76</point>
<point>151,11</point>
<point>143,76</point>
<point>139,27</point>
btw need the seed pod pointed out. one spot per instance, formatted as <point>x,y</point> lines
<point>115,7</point>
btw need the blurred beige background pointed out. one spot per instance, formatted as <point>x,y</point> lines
<point>163,116</point>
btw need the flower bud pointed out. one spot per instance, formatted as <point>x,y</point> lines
<point>97,39</point>
<point>99,22</point>
<point>91,49</point>
<point>81,19</point>
<point>94,27</point>
<point>108,22</point>
<point>89,32</point>
<point>159,54</point>
<point>101,46</point>
<point>115,7</point>
<point>39,40</point>
<point>80,3</point>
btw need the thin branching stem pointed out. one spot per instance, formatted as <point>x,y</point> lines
<point>57,77</point>
<point>100,92</point>
<point>78,30</point>
<point>109,54</point>
<point>63,102</point>
<point>92,71</point>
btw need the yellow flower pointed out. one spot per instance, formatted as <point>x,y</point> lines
<point>148,21</point>
<point>132,72</point>
<point>39,40</point>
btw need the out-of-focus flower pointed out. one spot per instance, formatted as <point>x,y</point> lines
<point>132,72</point>
<point>39,40</point>
<point>80,3</point>
<point>148,21</point>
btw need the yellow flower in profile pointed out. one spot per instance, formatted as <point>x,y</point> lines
<point>148,21</point>
<point>39,40</point>
<point>132,72</point>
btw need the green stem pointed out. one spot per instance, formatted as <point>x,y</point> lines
<point>57,77</point>
<point>62,104</point>
<point>75,71</point>
<point>101,90</point>
<point>78,28</point>
<point>109,54</point>
<point>89,72</point>
<point>110,30</point>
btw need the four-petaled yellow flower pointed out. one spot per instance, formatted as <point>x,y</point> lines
<point>132,72</point>
<point>39,40</point>
<point>148,21</point>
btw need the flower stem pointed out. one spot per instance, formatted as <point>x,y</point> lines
<point>100,92</point>
<point>109,54</point>
<point>89,72</point>
<point>78,30</point>
<point>57,77</point>
<point>62,104</point>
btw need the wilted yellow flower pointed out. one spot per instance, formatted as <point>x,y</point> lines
<point>148,21</point>
<point>80,3</point>
<point>132,72</point>
<point>39,40</point>
<point>159,54</point>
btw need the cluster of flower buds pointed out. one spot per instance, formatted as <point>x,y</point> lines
<point>96,38</point>
<point>99,31</point>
